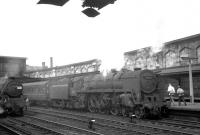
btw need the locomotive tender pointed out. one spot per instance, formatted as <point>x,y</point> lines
<point>11,96</point>
<point>125,92</point>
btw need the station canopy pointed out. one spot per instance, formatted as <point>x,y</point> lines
<point>180,70</point>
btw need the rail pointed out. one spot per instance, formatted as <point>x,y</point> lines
<point>138,127</point>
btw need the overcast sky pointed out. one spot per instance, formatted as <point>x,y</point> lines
<point>38,32</point>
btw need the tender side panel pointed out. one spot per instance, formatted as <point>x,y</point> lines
<point>59,92</point>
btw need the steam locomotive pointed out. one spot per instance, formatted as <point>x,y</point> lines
<point>123,92</point>
<point>11,96</point>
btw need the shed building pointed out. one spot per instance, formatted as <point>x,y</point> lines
<point>12,66</point>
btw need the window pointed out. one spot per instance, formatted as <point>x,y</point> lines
<point>171,59</point>
<point>151,63</point>
<point>129,64</point>
<point>139,63</point>
<point>184,52</point>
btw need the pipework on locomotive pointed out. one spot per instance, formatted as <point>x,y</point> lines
<point>123,92</point>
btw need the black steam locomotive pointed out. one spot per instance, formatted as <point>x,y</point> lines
<point>12,100</point>
<point>124,92</point>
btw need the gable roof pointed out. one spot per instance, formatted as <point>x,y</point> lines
<point>183,39</point>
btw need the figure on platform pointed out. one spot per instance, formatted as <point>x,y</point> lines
<point>27,103</point>
<point>180,93</point>
<point>171,92</point>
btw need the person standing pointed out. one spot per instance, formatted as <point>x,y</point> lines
<point>171,92</point>
<point>180,93</point>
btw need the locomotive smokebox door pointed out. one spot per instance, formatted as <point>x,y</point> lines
<point>139,82</point>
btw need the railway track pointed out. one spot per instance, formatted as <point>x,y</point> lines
<point>81,123</point>
<point>181,123</point>
<point>6,130</point>
<point>193,122</point>
<point>58,126</point>
<point>14,127</point>
<point>140,127</point>
<point>20,127</point>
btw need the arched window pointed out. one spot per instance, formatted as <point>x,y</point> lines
<point>151,63</point>
<point>184,52</point>
<point>129,63</point>
<point>170,59</point>
<point>198,54</point>
<point>139,63</point>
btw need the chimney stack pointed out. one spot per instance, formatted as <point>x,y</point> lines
<point>51,62</point>
<point>43,65</point>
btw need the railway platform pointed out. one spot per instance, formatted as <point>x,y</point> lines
<point>189,106</point>
<point>191,110</point>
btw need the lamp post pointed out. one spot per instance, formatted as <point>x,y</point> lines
<point>190,77</point>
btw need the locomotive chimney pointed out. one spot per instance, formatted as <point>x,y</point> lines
<point>51,62</point>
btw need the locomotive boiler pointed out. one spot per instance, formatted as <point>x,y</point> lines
<point>124,92</point>
<point>11,96</point>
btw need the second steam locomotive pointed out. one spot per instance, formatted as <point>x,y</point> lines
<point>11,96</point>
<point>124,92</point>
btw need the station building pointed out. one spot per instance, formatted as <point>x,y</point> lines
<point>168,61</point>
<point>168,55</point>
